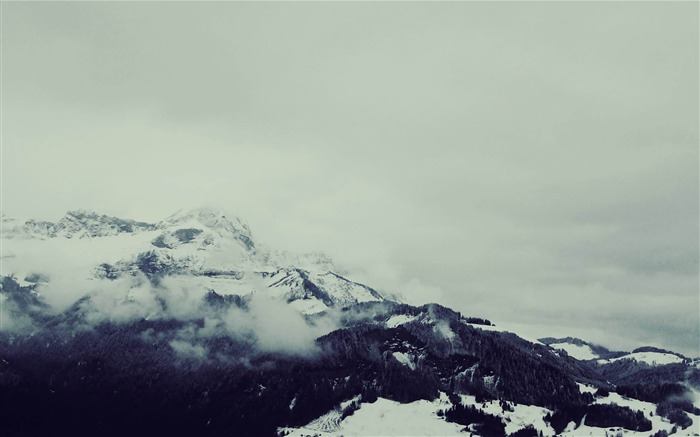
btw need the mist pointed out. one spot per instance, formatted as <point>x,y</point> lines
<point>265,323</point>
<point>268,324</point>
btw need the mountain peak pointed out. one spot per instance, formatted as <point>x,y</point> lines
<point>210,217</point>
<point>214,219</point>
<point>83,214</point>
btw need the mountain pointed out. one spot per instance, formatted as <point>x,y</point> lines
<point>200,249</point>
<point>76,224</point>
<point>191,326</point>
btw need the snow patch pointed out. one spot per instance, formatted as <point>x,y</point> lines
<point>580,352</point>
<point>585,388</point>
<point>403,358</point>
<point>308,306</point>
<point>399,319</point>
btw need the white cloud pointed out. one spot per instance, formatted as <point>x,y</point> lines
<point>189,350</point>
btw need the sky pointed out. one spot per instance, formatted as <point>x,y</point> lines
<point>535,163</point>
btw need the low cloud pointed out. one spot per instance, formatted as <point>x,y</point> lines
<point>188,350</point>
<point>266,323</point>
<point>12,318</point>
<point>275,325</point>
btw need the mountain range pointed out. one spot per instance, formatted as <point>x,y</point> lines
<point>190,326</point>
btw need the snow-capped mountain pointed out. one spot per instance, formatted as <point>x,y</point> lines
<point>191,326</point>
<point>201,249</point>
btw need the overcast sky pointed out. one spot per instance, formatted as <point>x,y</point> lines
<point>535,163</point>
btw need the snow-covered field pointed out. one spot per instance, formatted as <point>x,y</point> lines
<point>420,418</point>
<point>580,352</point>
<point>384,418</point>
<point>649,358</point>
<point>519,418</point>
<point>399,319</point>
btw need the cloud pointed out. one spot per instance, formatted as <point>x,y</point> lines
<point>12,318</point>
<point>274,326</point>
<point>417,293</point>
<point>267,324</point>
<point>122,301</point>
<point>188,350</point>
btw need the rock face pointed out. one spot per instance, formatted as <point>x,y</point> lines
<point>190,326</point>
<point>75,224</point>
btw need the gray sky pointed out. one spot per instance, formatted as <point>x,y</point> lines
<point>534,162</point>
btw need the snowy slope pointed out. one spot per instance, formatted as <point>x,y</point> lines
<point>580,352</point>
<point>648,358</point>
<point>658,423</point>
<point>383,418</point>
<point>398,320</point>
<point>420,418</point>
<point>519,418</point>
